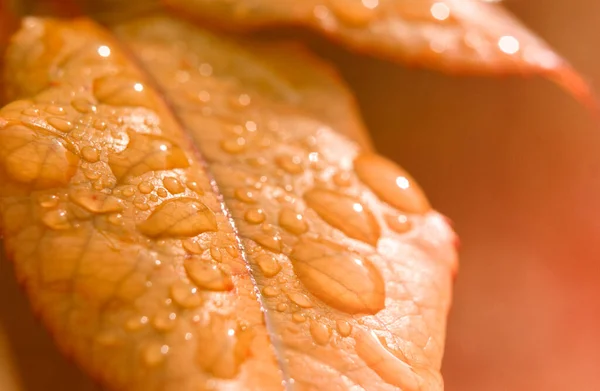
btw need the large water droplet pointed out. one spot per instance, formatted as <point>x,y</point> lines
<point>57,219</point>
<point>340,278</point>
<point>390,368</point>
<point>300,299</point>
<point>95,202</point>
<point>179,217</point>
<point>173,185</point>
<point>343,327</point>
<point>90,154</point>
<point>254,216</point>
<point>391,183</point>
<point>320,332</point>
<point>207,275</point>
<point>147,153</point>
<point>268,264</point>
<point>223,346</point>
<point>60,124</point>
<point>344,213</point>
<point>292,221</point>
<point>120,90</point>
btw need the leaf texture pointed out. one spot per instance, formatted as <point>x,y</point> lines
<point>454,36</point>
<point>187,212</point>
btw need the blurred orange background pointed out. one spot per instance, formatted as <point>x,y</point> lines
<point>516,165</point>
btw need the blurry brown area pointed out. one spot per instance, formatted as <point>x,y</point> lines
<point>515,165</point>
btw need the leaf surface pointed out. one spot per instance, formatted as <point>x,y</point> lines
<point>454,36</point>
<point>187,212</point>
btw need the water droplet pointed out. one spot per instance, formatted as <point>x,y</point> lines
<point>338,277</point>
<point>320,332</point>
<point>268,264</point>
<point>83,105</point>
<point>344,328</point>
<point>298,317</point>
<point>56,219</point>
<point>55,110</point>
<point>246,194</point>
<point>32,112</point>
<point>344,213</point>
<point>96,202</point>
<point>136,323</point>
<point>164,320</point>
<point>173,185</point>
<point>300,299</point>
<point>154,354</point>
<point>390,368</point>
<point>390,183</point>
<point>141,203</point>
<point>128,191</point>
<point>270,291</point>
<point>254,216</point>
<point>60,124</point>
<point>161,192</point>
<point>398,223</point>
<point>48,200</point>
<point>291,164</point>
<point>355,13</point>
<point>268,238</point>
<point>186,295</point>
<point>292,221</point>
<point>145,187</point>
<point>118,90</point>
<point>281,307</point>
<point>207,275</point>
<point>342,179</point>
<point>42,163</point>
<point>223,346</point>
<point>234,144</point>
<point>90,154</point>
<point>179,217</point>
<point>509,44</point>
<point>147,153</point>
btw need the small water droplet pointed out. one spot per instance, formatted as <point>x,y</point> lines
<point>95,202</point>
<point>154,354</point>
<point>83,105</point>
<point>342,179</point>
<point>390,183</point>
<point>60,124</point>
<point>56,219</point>
<point>268,238</point>
<point>185,294</point>
<point>281,307</point>
<point>344,213</point>
<point>340,278</point>
<point>355,13</point>
<point>234,144</point>
<point>32,112</point>
<point>192,247</point>
<point>270,291</point>
<point>145,187</point>
<point>246,194</point>
<point>179,217</point>
<point>268,264</point>
<point>320,332</point>
<point>292,221</point>
<point>173,185</point>
<point>118,90</point>
<point>164,320</point>
<point>128,191</point>
<point>136,323</point>
<point>298,317</point>
<point>372,350</point>
<point>207,275</point>
<point>90,154</point>
<point>300,299</point>
<point>223,346</point>
<point>344,328</point>
<point>141,203</point>
<point>291,164</point>
<point>161,192</point>
<point>55,110</point>
<point>398,223</point>
<point>48,200</point>
<point>254,216</point>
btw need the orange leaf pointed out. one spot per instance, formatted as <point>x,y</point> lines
<point>454,36</point>
<point>187,212</point>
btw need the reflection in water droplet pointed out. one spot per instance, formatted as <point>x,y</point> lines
<point>268,264</point>
<point>389,367</point>
<point>340,278</point>
<point>344,328</point>
<point>390,183</point>
<point>344,213</point>
<point>154,354</point>
<point>147,153</point>
<point>96,202</point>
<point>173,185</point>
<point>207,275</point>
<point>223,346</point>
<point>509,44</point>
<point>292,221</point>
<point>320,332</point>
<point>254,216</point>
<point>179,217</point>
<point>56,219</point>
<point>300,299</point>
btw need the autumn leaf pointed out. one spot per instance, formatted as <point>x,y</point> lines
<point>188,211</point>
